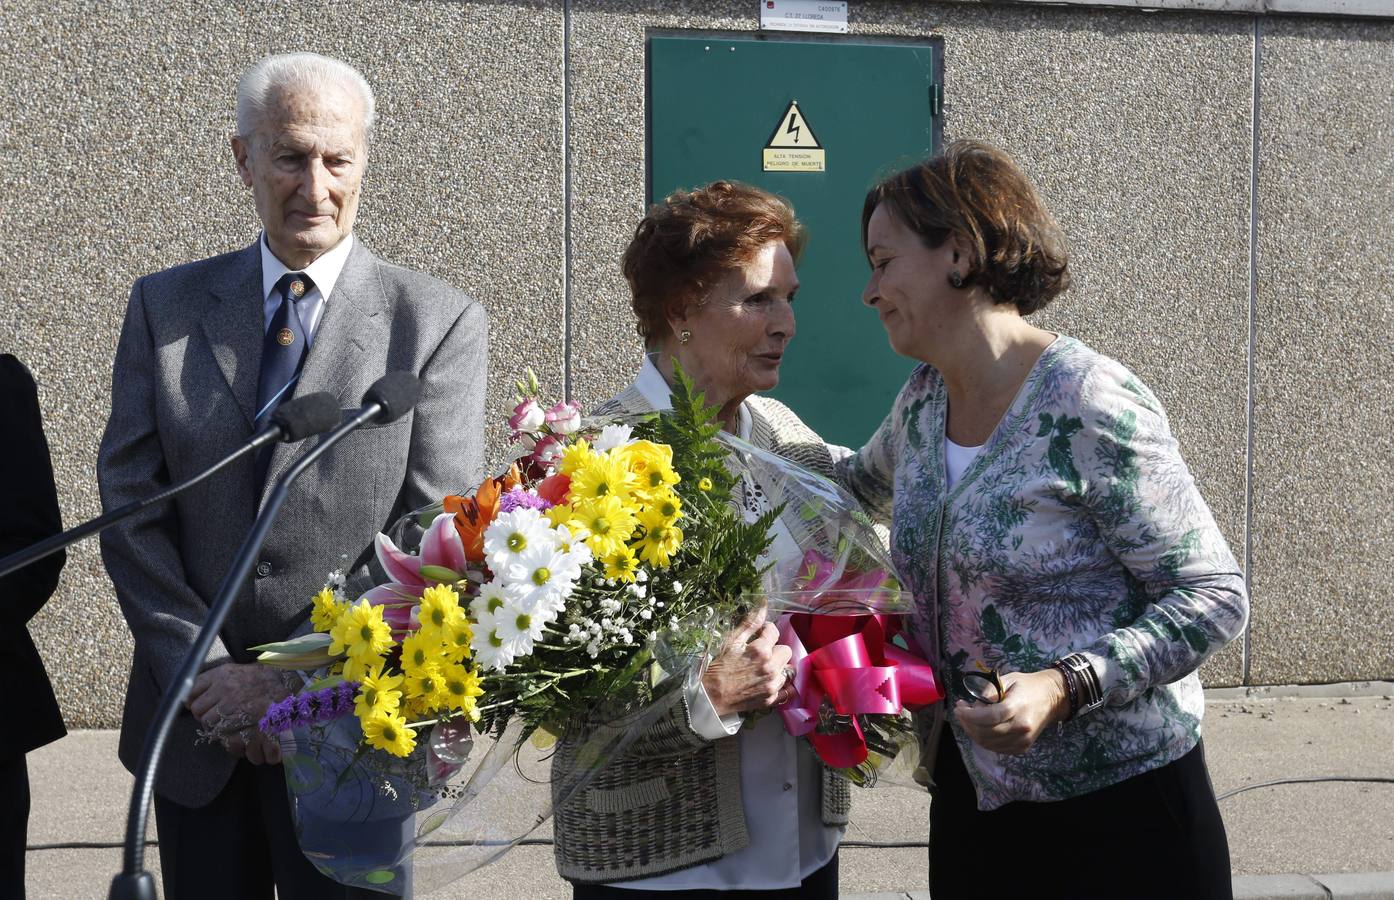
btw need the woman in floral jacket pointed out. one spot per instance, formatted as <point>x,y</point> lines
<point>1050,531</point>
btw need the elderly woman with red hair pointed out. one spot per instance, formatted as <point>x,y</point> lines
<point>704,802</point>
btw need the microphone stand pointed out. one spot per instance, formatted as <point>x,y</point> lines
<point>133,882</point>
<point>294,428</point>
<point>58,541</point>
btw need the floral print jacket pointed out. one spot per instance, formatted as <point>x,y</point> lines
<point>1078,528</point>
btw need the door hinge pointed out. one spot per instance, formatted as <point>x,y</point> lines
<point>936,99</point>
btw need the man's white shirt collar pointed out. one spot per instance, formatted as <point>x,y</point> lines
<point>324,271</point>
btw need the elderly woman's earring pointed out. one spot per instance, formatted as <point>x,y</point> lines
<point>684,336</point>
<point>956,280</point>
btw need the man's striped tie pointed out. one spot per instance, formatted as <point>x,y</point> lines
<point>282,357</point>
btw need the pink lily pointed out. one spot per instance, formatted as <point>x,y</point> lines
<point>442,559</point>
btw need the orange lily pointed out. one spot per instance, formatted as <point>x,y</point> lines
<point>472,515</point>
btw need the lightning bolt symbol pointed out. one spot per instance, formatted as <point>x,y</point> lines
<point>793,128</point>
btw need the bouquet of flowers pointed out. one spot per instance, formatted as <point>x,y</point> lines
<point>857,675</point>
<point>574,596</point>
<point>576,589</point>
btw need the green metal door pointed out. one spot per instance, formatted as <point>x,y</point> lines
<point>873,106</point>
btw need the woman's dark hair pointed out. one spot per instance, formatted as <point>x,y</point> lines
<point>690,241</point>
<point>977,192</point>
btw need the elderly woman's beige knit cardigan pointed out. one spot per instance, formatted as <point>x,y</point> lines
<point>673,800</point>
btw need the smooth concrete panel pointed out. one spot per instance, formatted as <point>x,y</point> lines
<point>116,164</point>
<point>1323,449</point>
<point>1137,128</point>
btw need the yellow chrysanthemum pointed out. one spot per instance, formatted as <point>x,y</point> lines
<point>461,687</point>
<point>559,516</point>
<point>389,732</point>
<point>354,669</point>
<point>609,522</point>
<point>360,633</point>
<point>457,641</point>
<point>440,609</point>
<point>621,565</point>
<point>424,689</point>
<point>574,456</point>
<point>327,610</point>
<point>705,484</point>
<point>666,505</point>
<point>415,709</point>
<point>378,692</point>
<point>652,465</point>
<point>660,541</point>
<point>639,455</point>
<point>604,475</point>
<point>422,650</point>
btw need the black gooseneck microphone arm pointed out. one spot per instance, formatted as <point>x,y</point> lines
<point>293,421</point>
<point>388,399</point>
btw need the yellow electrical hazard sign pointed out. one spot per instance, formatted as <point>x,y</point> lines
<point>793,147</point>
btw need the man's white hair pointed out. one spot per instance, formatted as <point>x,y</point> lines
<point>296,71</point>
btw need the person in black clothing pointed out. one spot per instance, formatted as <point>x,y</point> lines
<point>29,503</point>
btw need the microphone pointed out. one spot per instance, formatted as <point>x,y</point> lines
<point>292,421</point>
<point>391,397</point>
<point>298,419</point>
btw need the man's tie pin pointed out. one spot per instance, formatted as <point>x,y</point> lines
<point>285,337</point>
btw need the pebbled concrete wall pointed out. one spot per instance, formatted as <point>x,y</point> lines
<point>116,163</point>
<point>1139,128</point>
<point>1323,388</point>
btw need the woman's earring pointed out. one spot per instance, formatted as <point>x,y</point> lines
<point>956,280</point>
<point>684,336</point>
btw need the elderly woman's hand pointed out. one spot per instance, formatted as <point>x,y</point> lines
<point>749,672</point>
<point>1030,702</point>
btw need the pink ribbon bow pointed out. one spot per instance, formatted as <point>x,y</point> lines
<point>850,662</point>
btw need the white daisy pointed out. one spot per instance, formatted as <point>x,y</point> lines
<point>490,650</point>
<point>612,436</point>
<point>514,533</point>
<point>491,597</point>
<point>541,580</point>
<point>518,630</point>
<point>578,552</point>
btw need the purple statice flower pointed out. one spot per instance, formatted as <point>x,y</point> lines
<point>277,718</point>
<point>309,708</point>
<point>518,498</point>
<point>306,706</point>
<point>343,698</point>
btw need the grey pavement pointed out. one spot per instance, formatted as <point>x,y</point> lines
<point>1317,840</point>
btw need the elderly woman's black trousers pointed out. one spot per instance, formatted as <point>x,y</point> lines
<point>1156,835</point>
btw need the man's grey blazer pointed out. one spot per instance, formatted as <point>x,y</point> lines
<point>184,389</point>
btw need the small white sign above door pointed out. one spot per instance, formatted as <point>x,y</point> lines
<point>803,15</point>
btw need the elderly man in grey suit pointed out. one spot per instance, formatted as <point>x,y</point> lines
<point>207,350</point>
